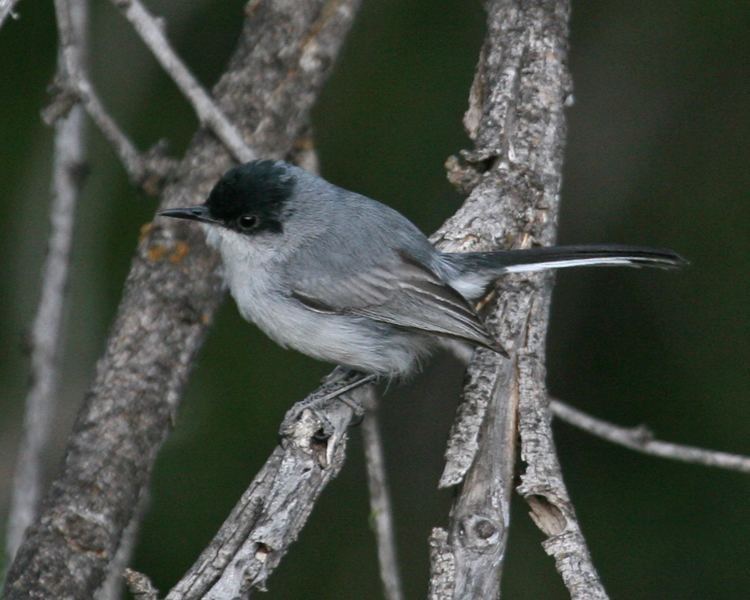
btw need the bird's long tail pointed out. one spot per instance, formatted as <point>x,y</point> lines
<point>476,270</point>
<point>559,257</point>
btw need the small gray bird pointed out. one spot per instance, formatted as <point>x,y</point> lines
<point>348,280</point>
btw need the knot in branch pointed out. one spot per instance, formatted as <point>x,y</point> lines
<point>480,532</point>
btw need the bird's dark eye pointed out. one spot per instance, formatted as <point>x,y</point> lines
<point>247,222</point>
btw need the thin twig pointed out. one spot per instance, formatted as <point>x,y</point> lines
<point>6,10</point>
<point>112,587</point>
<point>381,512</point>
<point>641,439</point>
<point>147,170</point>
<point>45,337</point>
<point>151,31</point>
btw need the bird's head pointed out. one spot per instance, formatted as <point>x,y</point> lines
<point>250,199</point>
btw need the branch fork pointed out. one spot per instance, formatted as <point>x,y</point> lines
<point>513,179</point>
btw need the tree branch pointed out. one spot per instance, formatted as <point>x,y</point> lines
<point>152,33</point>
<point>641,439</point>
<point>476,541</point>
<point>381,513</point>
<point>112,587</point>
<point>542,484</point>
<point>283,57</point>
<point>46,330</point>
<point>515,119</point>
<point>6,10</point>
<point>148,171</point>
<point>140,586</point>
<point>257,533</point>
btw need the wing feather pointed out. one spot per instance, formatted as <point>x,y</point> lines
<point>401,291</point>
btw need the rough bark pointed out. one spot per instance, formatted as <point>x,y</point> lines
<point>285,51</point>
<point>272,511</point>
<point>515,119</point>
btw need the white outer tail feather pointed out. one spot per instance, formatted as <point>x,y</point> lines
<point>575,262</point>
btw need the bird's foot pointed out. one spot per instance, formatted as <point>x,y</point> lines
<point>336,386</point>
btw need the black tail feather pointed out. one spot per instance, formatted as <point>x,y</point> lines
<point>554,257</point>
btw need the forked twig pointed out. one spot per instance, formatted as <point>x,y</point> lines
<point>641,439</point>
<point>148,170</point>
<point>513,173</point>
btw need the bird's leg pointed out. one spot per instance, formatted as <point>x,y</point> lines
<point>340,373</point>
<point>341,381</point>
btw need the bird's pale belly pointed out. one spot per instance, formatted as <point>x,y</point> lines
<point>349,340</point>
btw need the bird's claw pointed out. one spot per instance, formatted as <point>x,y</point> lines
<point>310,413</point>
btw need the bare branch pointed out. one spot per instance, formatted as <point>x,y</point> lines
<point>170,297</point>
<point>272,511</point>
<point>641,439</point>
<point>476,542</point>
<point>149,170</point>
<point>542,484</point>
<point>442,566</point>
<point>515,119</point>
<point>7,10</point>
<point>152,33</point>
<point>381,512</point>
<point>46,330</point>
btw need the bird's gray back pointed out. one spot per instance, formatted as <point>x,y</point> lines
<point>348,233</point>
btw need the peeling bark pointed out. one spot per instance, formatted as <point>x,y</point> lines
<point>513,177</point>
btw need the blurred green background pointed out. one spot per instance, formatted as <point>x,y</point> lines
<point>658,149</point>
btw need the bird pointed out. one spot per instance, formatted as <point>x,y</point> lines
<point>348,280</point>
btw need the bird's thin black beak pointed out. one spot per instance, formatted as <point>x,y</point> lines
<point>192,213</point>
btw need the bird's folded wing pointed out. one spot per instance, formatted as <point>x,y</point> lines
<point>400,291</point>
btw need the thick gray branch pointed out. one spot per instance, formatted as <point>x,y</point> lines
<point>515,119</point>
<point>283,56</point>
<point>480,517</point>
<point>272,511</point>
<point>542,484</point>
<point>67,175</point>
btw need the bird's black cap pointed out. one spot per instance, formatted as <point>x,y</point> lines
<point>249,198</point>
<point>259,188</point>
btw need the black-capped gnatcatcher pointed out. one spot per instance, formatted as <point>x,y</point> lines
<point>348,280</point>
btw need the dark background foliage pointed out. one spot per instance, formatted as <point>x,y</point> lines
<point>657,154</point>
